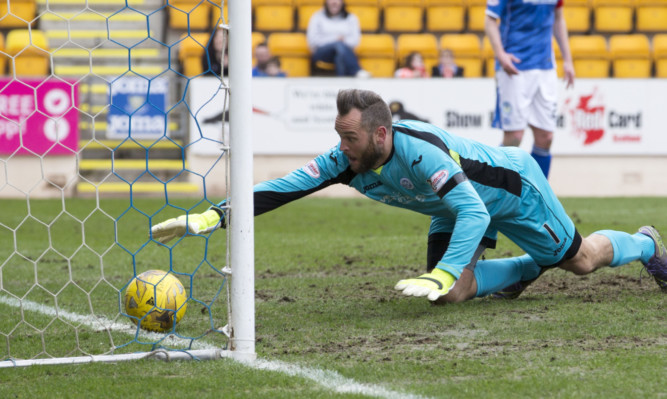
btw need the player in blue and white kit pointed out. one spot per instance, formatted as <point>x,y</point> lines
<point>525,69</point>
<point>471,191</point>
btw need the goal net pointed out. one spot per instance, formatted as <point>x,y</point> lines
<point>116,116</point>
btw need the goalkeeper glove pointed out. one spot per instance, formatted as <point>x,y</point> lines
<point>196,223</point>
<point>432,285</point>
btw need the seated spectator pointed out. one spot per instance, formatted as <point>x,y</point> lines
<point>332,35</point>
<point>413,68</point>
<point>211,61</point>
<point>272,68</point>
<point>262,57</point>
<point>447,67</point>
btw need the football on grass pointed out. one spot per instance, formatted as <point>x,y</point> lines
<point>156,299</point>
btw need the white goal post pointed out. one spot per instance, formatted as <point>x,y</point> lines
<point>77,226</point>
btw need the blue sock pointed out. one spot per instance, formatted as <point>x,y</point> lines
<point>629,247</point>
<point>495,274</point>
<point>543,158</point>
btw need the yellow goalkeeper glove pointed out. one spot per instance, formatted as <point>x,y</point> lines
<point>432,285</point>
<point>196,223</point>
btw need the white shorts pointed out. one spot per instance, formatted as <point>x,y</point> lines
<point>529,98</point>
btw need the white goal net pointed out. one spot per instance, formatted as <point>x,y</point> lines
<point>100,140</point>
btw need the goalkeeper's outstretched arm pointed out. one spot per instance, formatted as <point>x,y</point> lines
<point>268,196</point>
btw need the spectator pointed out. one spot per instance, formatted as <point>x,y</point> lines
<point>414,67</point>
<point>526,79</point>
<point>332,35</point>
<point>262,57</point>
<point>211,62</point>
<point>266,64</point>
<point>273,68</point>
<point>447,67</point>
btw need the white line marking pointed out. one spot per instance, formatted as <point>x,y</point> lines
<point>326,378</point>
<point>330,379</point>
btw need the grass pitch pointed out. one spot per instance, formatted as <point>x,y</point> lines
<point>325,271</point>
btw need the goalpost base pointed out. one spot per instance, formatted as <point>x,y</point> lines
<point>160,354</point>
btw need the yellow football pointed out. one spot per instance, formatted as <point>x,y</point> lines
<point>156,299</point>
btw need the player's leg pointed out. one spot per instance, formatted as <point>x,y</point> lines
<point>540,226</point>
<point>541,151</point>
<point>617,248</point>
<point>512,103</point>
<point>483,277</point>
<point>542,115</point>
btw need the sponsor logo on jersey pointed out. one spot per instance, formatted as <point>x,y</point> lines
<point>372,186</point>
<point>438,180</point>
<point>312,169</point>
<point>416,161</point>
<point>406,183</point>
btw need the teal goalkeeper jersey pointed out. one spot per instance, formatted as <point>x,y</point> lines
<point>430,171</point>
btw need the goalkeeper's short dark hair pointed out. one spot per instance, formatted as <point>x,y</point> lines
<point>374,110</point>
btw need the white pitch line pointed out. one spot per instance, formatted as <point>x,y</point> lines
<point>100,323</point>
<point>330,380</point>
<point>326,378</point>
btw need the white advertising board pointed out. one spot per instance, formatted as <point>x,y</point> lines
<point>596,117</point>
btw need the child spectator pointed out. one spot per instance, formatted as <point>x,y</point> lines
<point>447,67</point>
<point>414,67</point>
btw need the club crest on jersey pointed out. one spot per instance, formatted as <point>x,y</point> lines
<point>406,183</point>
<point>438,180</point>
<point>312,169</point>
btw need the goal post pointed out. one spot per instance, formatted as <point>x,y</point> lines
<point>115,81</point>
<point>242,242</point>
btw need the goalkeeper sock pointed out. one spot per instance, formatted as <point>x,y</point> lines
<point>495,274</point>
<point>629,247</point>
<point>543,158</point>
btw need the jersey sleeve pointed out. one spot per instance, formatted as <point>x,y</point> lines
<point>323,171</point>
<point>446,178</point>
<point>494,8</point>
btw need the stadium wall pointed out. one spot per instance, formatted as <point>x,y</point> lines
<point>610,139</point>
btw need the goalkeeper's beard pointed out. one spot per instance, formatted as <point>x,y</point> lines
<point>369,158</point>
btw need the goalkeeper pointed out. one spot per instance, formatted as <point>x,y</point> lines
<point>471,191</point>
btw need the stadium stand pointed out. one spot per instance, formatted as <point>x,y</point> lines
<point>445,15</point>
<point>274,17</point>
<point>590,56</point>
<point>660,55</point>
<point>403,16</point>
<point>292,49</point>
<point>304,12</point>
<point>467,52</point>
<point>631,56</point>
<point>651,15</point>
<point>577,16</point>
<point>368,13</point>
<point>216,17</point>
<point>3,56</point>
<point>489,58</point>
<point>191,49</point>
<point>425,44</point>
<point>30,51</point>
<point>196,13</point>
<point>377,54</point>
<point>476,15</point>
<point>17,13</point>
<point>613,16</point>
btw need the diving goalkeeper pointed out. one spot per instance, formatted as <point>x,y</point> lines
<point>471,191</point>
